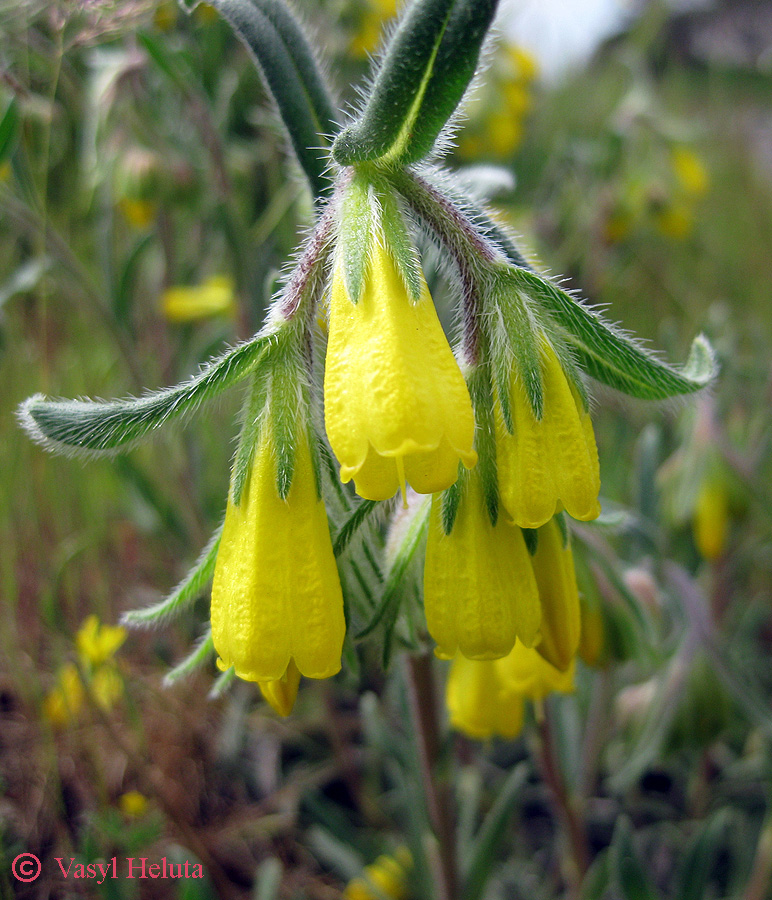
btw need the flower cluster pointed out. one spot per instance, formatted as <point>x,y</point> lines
<point>496,429</point>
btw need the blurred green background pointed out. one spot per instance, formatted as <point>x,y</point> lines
<point>147,205</point>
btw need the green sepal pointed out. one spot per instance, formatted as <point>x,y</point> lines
<point>425,71</point>
<point>400,244</point>
<point>356,235</point>
<point>361,514</point>
<point>481,393</point>
<point>611,357</point>
<point>251,427</point>
<point>286,409</point>
<point>531,538</point>
<point>281,51</point>
<point>451,500</point>
<point>95,427</point>
<point>514,345</point>
<point>183,595</point>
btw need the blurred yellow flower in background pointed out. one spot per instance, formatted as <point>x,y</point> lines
<point>496,113</point>
<point>690,171</point>
<point>386,877</point>
<point>214,297</point>
<point>374,14</point>
<point>97,643</point>
<point>133,804</point>
<point>63,704</point>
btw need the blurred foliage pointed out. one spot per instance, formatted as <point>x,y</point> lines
<point>138,154</point>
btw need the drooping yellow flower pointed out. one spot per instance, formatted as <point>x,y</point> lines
<point>214,297</point>
<point>549,461</point>
<point>479,703</point>
<point>526,671</point>
<point>553,566</point>
<point>386,877</point>
<point>480,592</point>
<point>97,643</point>
<point>106,686</point>
<point>276,595</point>
<point>396,406</point>
<point>486,698</point>
<point>281,693</point>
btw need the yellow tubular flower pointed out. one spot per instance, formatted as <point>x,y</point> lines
<point>548,461</point>
<point>553,566</point>
<point>396,405</point>
<point>527,672</point>
<point>282,692</point>
<point>480,705</point>
<point>479,587</point>
<point>276,595</point>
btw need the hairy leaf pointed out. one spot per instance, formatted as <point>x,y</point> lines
<point>613,358</point>
<point>425,71</point>
<point>95,427</point>
<point>183,595</point>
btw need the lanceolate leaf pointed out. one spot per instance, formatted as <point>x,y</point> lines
<point>183,595</point>
<point>613,358</point>
<point>201,654</point>
<point>399,242</point>
<point>426,70</point>
<point>356,235</point>
<point>282,54</point>
<point>95,427</point>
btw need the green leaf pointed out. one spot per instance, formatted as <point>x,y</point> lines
<point>487,843</point>
<point>403,556</point>
<point>199,656</point>
<point>9,125</point>
<point>222,683</point>
<point>356,236</point>
<point>425,71</point>
<point>400,244</point>
<point>699,859</point>
<point>362,513</point>
<point>125,285</point>
<point>612,357</point>
<point>183,595</point>
<point>95,427</point>
<point>630,877</point>
<point>281,52</point>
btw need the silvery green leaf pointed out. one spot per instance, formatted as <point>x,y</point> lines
<point>282,53</point>
<point>97,427</point>
<point>487,842</point>
<point>183,595</point>
<point>199,656</point>
<point>425,71</point>
<point>612,357</point>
